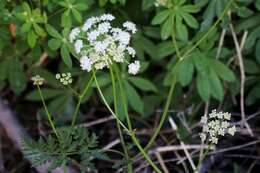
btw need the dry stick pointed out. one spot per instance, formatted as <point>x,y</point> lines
<point>180,147</point>
<point>111,144</point>
<point>160,160</point>
<point>2,167</point>
<point>43,57</point>
<point>15,132</point>
<point>96,122</point>
<point>174,128</point>
<point>183,163</point>
<point>242,75</point>
<point>221,42</point>
<point>206,111</point>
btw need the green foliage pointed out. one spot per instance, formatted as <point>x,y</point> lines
<point>73,143</point>
<point>173,16</point>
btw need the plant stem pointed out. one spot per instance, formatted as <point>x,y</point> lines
<point>124,100</point>
<point>201,157</point>
<point>209,31</point>
<point>47,112</point>
<point>81,96</point>
<point>107,105</point>
<point>129,166</point>
<point>131,133</point>
<point>164,115</point>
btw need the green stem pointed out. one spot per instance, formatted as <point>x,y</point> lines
<point>131,133</point>
<point>80,100</point>
<point>129,166</point>
<point>124,100</point>
<point>209,31</point>
<point>47,112</point>
<point>164,115</point>
<point>107,105</point>
<point>202,157</point>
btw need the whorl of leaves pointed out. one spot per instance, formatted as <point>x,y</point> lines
<point>72,144</point>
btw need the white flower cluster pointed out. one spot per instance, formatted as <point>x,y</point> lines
<point>37,80</point>
<point>100,45</point>
<point>161,3</point>
<point>217,124</point>
<point>64,78</point>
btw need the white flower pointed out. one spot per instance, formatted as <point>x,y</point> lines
<point>64,78</point>
<point>101,46</point>
<point>131,51</point>
<point>89,23</point>
<point>104,44</point>
<point>130,26</point>
<point>232,130</point>
<point>224,124</point>
<point>204,119</point>
<point>37,80</point>
<point>123,37</point>
<point>162,3</point>
<point>227,116</point>
<point>202,136</point>
<point>73,34</point>
<point>214,140</point>
<point>104,27</point>
<point>85,63</point>
<point>92,36</point>
<point>216,125</point>
<point>134,68</point>
<point>78,46</point>
<point>108,17</point>
<point>221,131</point>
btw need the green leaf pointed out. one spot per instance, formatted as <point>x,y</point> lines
<point>4,70</point>
<point>65,19</point>
<point>65,55</point>
<point>54,44</point>
<point>222,71</point>
<point>181,29</point>
<point>251,66</point>
<point>31,38</point>
<point>142,84</point>
<point>253,95</point>
<point>160,17</point>
<point>47,94</point>
<point>77,15</point>
<point>164,49</point>
<point>134,99</point>
<point>167,28</point>
<point>257,51</point>
<point>38,30</point>
<point>216,86</point>
<point>16,76</point>
<point>203,87</point>
<point>185,73</point>
<point>257,4</point>
<point>190,20</point>
<point>53,32</point>
<point>26,27</point>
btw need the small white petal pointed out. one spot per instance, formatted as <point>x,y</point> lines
<point>134,68</point>
<point>85,63</point>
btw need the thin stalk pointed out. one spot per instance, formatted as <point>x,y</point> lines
<point>209,31</point>
<point>47,112</point>
<point>107,105</point>
<point>202,156</point>
<point>131,133</point>
<point>164,116</point>
<point>81,96</point>
<point>129,166</point>
<point>124,100</point>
